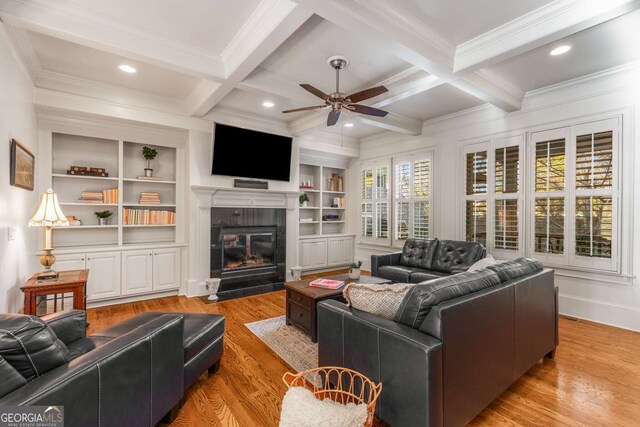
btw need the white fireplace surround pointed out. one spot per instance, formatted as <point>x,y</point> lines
<point>203,198</point>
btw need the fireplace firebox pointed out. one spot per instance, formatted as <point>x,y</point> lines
<point>248,250</point>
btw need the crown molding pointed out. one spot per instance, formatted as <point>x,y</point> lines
<point>23,50</point>
<point>261,23</point>
<point>544,25</point>
<point>58,101</point>
<point>50,80</point>
<point>76,24</point>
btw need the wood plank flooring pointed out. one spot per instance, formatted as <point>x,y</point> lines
<point>594,379</point>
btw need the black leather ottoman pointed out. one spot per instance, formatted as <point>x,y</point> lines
<point>202,340</point>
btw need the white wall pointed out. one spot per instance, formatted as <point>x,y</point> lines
<point>18,121</point>
<point>582,295</point>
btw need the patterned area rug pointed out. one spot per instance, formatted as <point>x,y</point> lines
<point>293,346</point>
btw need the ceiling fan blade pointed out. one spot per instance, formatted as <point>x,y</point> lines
<point>363,109</point>
<point>367,93</point>
<point>332,119</point>
<point>295,110</point>
<point>317,92</point>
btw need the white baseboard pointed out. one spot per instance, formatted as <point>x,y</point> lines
<point>621,316</point>
<point>134,298</point>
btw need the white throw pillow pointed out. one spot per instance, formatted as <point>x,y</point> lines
<point>300,408</point>
<point>483,263</point>
<point>381,300</point>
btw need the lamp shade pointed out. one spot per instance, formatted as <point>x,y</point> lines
<point>48,213</point>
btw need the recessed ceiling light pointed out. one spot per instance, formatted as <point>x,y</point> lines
<point>348,125</point>
<point>268,104</point>
<point>560,50</point>
<point>127,69</point>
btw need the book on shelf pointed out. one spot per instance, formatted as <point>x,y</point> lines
<point>327,284</point>
<point>150,178</point>
<point>147,217</point>
<point>92,197</point>
<point>149,198</point>
<point>110,195</point>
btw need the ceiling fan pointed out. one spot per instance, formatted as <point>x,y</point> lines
<point>339,101</point>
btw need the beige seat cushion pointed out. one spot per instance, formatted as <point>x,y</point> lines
<point>300,408</point>
<point>381,300</point>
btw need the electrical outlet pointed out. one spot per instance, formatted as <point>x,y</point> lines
<point>11,235</point>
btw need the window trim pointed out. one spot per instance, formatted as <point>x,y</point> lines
<point>374,165</point>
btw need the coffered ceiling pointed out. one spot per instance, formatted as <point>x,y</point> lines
<point>436,57</point>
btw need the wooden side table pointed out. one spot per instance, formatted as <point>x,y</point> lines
<point>71,281</point>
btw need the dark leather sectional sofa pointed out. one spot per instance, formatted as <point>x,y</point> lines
<point>455,344</point>
<point>134,373</point>
<point>426,259</point>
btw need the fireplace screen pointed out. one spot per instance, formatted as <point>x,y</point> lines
<point>249,248</point>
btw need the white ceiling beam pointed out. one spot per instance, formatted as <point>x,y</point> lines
<point>542,26</point>
<point>69,22</point>
<point>394,122</point>
<point>392,28</point>
<point>267,28</point>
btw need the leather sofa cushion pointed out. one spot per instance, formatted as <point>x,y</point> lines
<point>11,379</point>
<point>381,300</point>
<point>30,346</point>
<point>454,253</point>
<point>418,253</point>
<point>395,273</point>
<point>200,330</point>
<point>516,268</point>
<point>421,298</point>
<point>423,276</point>
<point>82,346</point>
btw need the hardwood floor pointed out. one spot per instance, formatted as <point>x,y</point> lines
<point>594,379</point>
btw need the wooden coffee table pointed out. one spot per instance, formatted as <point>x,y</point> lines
<point>302,301</point>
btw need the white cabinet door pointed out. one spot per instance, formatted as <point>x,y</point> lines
<point>166,269</point>
<point>137,272</point>
<point>320,253</point>
<point>334,254</point>
<point>104,275</point>
<point>306,254</point>
<point>69,262</point>
<point>346,250</point>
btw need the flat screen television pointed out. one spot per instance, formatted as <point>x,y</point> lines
<point>250,154</point>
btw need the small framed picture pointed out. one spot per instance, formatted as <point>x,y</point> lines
<point>22,166</point>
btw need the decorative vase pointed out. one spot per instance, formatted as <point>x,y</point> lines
<point>354,273</point>
<point>148,172</point>
<point>103,221</point>
<point>304,204</point>
<point>296,272</point>
<point>212,286</point>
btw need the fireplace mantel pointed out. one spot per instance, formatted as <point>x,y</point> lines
<point>209,197</point>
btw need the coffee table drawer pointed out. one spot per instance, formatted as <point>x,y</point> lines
<point>300,316</point>
<point>300,299</point>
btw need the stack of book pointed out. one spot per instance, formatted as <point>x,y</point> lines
<point>327,284</point>
<point>147,217</point>
<point>149,198</point>
<point>110,195</point>
<point>92,197</point>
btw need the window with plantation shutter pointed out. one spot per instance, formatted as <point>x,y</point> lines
<point>493,195</point>
<point>574,189</point>
<point>374,205</point>
<point>412,196</point>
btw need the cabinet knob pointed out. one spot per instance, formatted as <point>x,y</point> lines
<point>81,259</point>
<point>88,259</point>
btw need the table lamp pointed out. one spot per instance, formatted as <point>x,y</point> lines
<point>48,215</point>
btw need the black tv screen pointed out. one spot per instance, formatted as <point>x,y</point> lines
<point>250,154</point>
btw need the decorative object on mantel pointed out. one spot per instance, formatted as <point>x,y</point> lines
<point>304,200</point>
<point>213,285</point>
<point>21,166</point>
<point>149,154</point>
<point>48,215</point>
<point>87,171</point>
<point>103,217</point>
<point>354,270</point>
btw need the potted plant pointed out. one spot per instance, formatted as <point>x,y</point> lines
<point>304,200</point>
<point>149,154</point>
<point>103,217</point>
<point>354,270</point>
